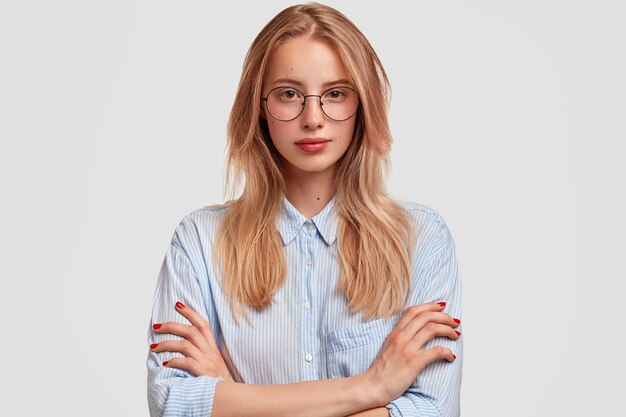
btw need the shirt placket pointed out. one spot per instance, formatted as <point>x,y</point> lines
<point>310,351</point>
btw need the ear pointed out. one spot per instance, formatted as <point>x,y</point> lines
<point>263,115</point>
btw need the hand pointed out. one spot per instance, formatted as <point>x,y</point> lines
<point>401,358</point>
<point>202,357</point>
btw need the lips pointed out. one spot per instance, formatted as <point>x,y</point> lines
<point>311,140</point>
<point>312,145</point>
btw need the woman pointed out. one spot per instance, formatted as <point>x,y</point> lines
<point>292,298</point>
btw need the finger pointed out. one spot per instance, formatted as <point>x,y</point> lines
<point>436,353</point>
<point>184,330</point>
<point>182,346</point>
<point>432,330</point>
<point>186,363</point>
<point>421,320</point>
<point>198,322</point>
<point>411,312</point>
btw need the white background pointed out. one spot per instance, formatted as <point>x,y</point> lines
<point>508,119</point>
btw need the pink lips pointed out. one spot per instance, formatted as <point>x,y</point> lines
<point>312,144</point>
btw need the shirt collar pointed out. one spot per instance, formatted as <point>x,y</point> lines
<point>291,221</point>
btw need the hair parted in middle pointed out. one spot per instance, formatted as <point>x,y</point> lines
<point>375,236</point>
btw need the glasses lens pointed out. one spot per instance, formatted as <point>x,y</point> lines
<point>285,103</point>
<point>340,103</point>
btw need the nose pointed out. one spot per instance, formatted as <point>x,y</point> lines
<point>312,115</point>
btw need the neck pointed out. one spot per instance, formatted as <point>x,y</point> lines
<point>309,192</point>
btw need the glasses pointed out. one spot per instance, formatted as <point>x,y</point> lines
<point>287,103</point>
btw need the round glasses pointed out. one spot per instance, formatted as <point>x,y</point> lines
<point>287,103</point>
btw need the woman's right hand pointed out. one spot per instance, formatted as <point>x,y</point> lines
<point>402,356</point>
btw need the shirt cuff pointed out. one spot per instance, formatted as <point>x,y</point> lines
<point>415,406</point>
<point>191,397</point>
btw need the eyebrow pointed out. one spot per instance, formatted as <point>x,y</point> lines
<point>298,83</point>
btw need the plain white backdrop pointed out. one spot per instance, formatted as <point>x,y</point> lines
<point>508,119</point>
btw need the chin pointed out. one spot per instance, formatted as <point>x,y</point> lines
<point>312,167</point>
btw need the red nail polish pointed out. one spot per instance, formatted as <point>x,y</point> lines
<point>458,332</point>
<point>156,326</point>
<point>457,321</point>
<point>180,305</point>
<point>454,355</point>
<point>442,304</point>
<point>152,346</point>
<point>165,363</point>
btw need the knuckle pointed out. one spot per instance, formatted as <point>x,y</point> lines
<point>185,347</point>
<point>412,311</point>
<point>431,328</point>
<point>192,333</point>
<point>396,340</point>
<point>407,360</point>
<point>440,350</point>
<point>200,328</point>
<point>169,328</point>
<point>185,330</point>
<point>431,315</point>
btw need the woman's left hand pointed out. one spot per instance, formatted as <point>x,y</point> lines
<point>202,357</point>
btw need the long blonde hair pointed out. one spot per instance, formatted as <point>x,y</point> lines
<point>375,234</point>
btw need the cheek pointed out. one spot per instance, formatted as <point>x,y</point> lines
<point>280,132</point>
<point>348,131</point>
<point>271,125</point>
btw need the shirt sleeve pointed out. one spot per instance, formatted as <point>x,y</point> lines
<point>436,390</point>
<point>171,391</point>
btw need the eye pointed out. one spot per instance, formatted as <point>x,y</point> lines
<point>288,94</point>
<point>335,95</point>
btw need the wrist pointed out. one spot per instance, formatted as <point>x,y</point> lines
<point>370,394</point>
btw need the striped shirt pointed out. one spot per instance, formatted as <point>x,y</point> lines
<point>308,333</point>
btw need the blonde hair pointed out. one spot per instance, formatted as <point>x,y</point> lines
<point>375,235</point>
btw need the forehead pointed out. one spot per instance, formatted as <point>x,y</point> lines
<point>311,62</point>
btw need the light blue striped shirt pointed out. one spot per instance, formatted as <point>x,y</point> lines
<point>308,333</point>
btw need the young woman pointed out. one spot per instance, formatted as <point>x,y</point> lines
<point>313,293</point>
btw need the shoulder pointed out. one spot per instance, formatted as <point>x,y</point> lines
<point>199,226</point>
<point>423,215</point>
<point>435,272</point>
<point>431,230</point>
<point>419,209</point>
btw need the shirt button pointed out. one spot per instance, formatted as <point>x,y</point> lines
<point>309,226</point>
<point>307,305</point>
<point>308,357</point>
<point>309,261</point>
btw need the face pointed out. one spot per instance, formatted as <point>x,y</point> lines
<point>312,67</point>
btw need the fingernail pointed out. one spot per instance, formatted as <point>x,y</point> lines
<point>179,304</point>
<point>457,321</point>
<point>458,332</point>
<point>156,326</point>
<point>154,345</point>
<point>165,363</point>
<point>454,355</point>
<point>442,304</point>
